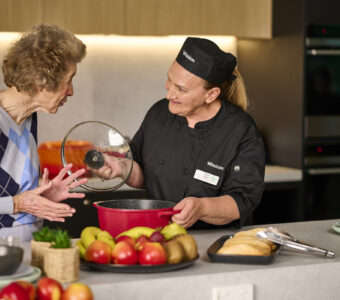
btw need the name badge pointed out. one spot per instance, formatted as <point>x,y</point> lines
<point>206,177</point>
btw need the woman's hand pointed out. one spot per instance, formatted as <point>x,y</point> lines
<point>60,188</point>
<point>191,211</point>
<point>113,167</point>
<point>34,203</point>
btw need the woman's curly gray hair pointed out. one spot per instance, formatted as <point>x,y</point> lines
<point>41,58</point>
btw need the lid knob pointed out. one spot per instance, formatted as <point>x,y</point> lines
<point>94,159</point>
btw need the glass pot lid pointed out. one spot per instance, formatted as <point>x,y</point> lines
<point>102,150</point>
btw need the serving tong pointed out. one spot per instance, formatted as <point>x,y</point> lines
<point>278,236</point>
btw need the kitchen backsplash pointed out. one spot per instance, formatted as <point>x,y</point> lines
<point>116,83</point>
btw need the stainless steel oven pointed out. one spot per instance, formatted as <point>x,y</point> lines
<point>321,163</point>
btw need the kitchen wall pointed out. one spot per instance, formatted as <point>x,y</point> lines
<point>274,74</point>
<point>116,83</point>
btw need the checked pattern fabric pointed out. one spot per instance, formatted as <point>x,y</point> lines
<point>19,166</point>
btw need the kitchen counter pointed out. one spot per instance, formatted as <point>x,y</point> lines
<point>282,174</point>
<point>292,275</point>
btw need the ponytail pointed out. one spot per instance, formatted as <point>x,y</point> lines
<point>233,91</point>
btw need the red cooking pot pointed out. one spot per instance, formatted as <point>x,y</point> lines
<point>116,216</point>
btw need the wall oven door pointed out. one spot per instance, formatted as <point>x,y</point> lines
<point>322,87</point>
<point>321,164</point>
<point>322,179</point>
<point>322,81</point>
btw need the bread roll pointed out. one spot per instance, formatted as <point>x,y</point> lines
<point>242,249</point>
<point>250,241</point>
<point>247,243</point>
<point>251,232</point>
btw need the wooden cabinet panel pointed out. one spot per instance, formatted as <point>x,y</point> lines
<point>86,16</point>
<point>78,16</point>
<point>19,15</point>
<point>241,18</point>
<point>163,17</point>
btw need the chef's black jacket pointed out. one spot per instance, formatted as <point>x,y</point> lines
<point>227,148</point>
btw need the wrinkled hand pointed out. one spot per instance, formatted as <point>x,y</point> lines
<point>60,189</point>
<point>33,203</point>
<point>191,211</point>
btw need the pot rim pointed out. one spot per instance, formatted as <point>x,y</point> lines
<point>129,210</point>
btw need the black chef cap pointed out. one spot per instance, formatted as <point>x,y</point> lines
<point>205,59</point>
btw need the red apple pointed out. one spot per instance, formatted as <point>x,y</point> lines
<point>156,236</point>
<point>140,242</point>
<point>49,289</point>
<point>153,253</point>
<point>124,253</point>
<point>126,238</point>
<point>14,291</point>
<point>98,252</point>
<point>29,288</point>
<point>77,291</point>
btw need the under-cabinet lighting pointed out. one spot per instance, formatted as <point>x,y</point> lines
<point>227,43</point>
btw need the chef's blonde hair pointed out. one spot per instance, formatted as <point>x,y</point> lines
<point>232,90</point>
<point>41,58</point>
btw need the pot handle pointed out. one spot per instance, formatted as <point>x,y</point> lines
<point>169,212</point>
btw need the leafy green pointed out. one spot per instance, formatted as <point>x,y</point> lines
<point>61,239</point>
<point>57,237</point>
<point>45,234</point>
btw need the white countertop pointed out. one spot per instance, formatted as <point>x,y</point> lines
<point>282,174</point>
<point>291,275</point>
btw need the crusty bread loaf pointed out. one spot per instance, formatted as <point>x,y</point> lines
<point>251,232</point>
<point>247,243</point>
<point>242,249</point>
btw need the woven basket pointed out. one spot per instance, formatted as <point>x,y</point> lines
<point>62,264</point>
<point>38,250</point>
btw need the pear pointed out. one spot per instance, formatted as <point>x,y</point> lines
<point>171,230</point>
<point>189,245</point>
<point>174,252</point>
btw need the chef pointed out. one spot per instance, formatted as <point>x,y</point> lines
<point>198,147</point>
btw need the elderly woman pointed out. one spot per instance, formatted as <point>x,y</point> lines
<point>198,147</point>
<point>38,70</point>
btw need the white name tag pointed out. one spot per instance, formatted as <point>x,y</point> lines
<point>206,177</point>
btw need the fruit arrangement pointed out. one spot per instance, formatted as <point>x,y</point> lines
<point>46,289</point>
<point>139,245</point>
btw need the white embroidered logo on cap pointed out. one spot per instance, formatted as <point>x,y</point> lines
<point>188,56</point>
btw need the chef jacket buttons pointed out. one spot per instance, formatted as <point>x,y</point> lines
<point>185,171</point>
<point>161,162</point>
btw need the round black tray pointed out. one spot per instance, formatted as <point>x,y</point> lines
<point>138,268</point>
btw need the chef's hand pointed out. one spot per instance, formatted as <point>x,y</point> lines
<point>60,188</point>
<point>113,167</point>
<point>191,211</point>
<point>34,203</point>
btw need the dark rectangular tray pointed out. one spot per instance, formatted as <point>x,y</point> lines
<point>238,259</point>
